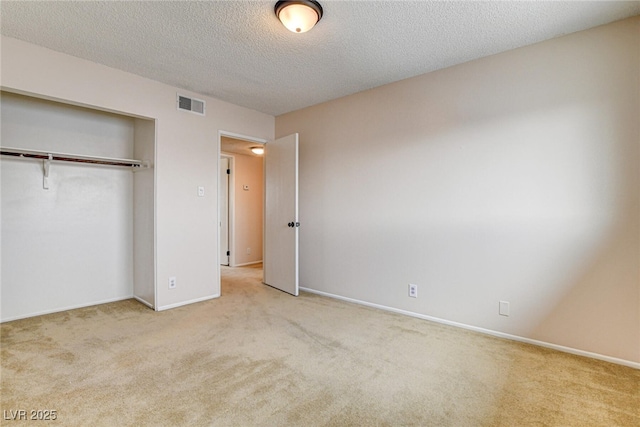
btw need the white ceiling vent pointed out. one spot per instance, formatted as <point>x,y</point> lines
<point>191,104</point>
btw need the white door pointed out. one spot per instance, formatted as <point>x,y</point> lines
<point>281,214</point>
<point>224,211</point>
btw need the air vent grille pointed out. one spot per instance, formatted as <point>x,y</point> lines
<point>192,105</point>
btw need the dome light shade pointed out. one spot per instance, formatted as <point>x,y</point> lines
<point>257,150</point>
<point>299,16</point>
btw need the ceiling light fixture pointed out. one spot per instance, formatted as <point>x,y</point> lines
<point>257,150</point>
<point>299,16</point>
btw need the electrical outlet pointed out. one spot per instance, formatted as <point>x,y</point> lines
<point>413,290</point>
<point>248,251</point>
<point>200,191</point>
<point>172,282</point>
<point>504,308</point>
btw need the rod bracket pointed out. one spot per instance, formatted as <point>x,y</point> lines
<point>46,164</point>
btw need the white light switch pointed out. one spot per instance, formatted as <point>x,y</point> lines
<point>200,191</point>
<point>504,308</point>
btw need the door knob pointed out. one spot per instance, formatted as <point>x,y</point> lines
<point>290,224</point>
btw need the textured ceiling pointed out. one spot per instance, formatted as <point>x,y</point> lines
<point>238,146</point>
<point>238,51</point>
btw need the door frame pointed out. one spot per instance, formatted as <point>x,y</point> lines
<point>230,208</point>
<point>251,139</point>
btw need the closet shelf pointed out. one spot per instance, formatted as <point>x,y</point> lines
<point>66,157</point>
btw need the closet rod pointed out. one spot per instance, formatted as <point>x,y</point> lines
<point>49,155</point>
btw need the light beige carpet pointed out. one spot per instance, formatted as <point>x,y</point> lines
<point>259,357</point>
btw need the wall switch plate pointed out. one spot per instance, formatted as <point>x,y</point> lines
<point>248,251</point>
<point>200,191</point>
<point>172,282</point>
<point>413,290</point>
<point>504,308</point>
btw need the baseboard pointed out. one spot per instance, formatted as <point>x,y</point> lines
<point>246,263</point>
<point>561,348</point>
<point>180,304</point>
<point>145,302</point>
<point>71,307</point>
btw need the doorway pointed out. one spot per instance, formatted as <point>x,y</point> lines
<point>241,204</point>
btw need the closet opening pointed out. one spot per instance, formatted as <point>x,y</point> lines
<point>77,195</point>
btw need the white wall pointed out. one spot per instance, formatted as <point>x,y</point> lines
<point>514,177</point>
<point>186,154</point>
<point>69,245</point>
<point>144,213</point>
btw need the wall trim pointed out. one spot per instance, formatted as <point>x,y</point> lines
<point>181,303</point>
<point>142,301</point>
<point>71,307</point>
<point>240,136</point>
<point>629,363</point>
<point>246,263</point>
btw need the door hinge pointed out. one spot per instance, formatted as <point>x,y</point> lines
<point>228,171</point>
<point>228,253</point>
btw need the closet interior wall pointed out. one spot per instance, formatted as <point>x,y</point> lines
<point>88,238</point>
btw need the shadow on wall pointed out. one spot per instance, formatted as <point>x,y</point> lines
<point>513,177</point>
